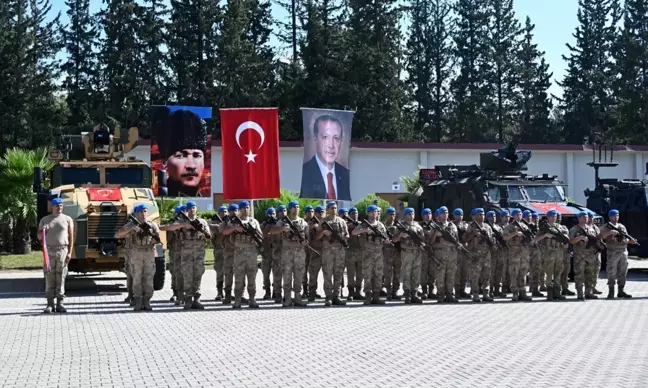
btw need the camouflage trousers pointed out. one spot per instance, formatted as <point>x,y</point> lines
<point>314,267</point>
<point>306,264</point>
<point>391,269</point>
<point>446,271</point>
<point>245,266</point>
<point>293,261</point>
<point>617,266</point>
<point>428,270</point>
<point>584,270</point>
<point>127,271</point>
<point>536,271</point>
<point>219,260</point>
<point>597,269</point>
<point>228,269</point>
<point>193,267</point>
<point>355,266</point>
<point>498,268</point>
<point>333,267</point>
<point>55,278</point>
<point>564,276</point>
<point>277,267</point>
<point>143,269</point>
<point>518,268</point>
<point>177,271</point>
<point>480,271</point>
<point>410,268</point>
<point>272,265</point>
<point>553,268</point>
<point>463,271</point>
<point>372,268</point>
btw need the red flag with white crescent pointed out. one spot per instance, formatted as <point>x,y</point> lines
<point>250,141</point>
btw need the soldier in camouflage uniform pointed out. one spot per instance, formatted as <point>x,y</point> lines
<point>293,258</point>
<point>308,215</point>
<point>566,254</point>
<point>506,278</point>
<point>142,257</point>
<point>372,251</point>
<point>178,242</point>
<point>518,255</point>
<point>174,264</point>
<point>446,254</point>
<point>411,253</point>
<point>498,253</point>
<point>333,254</point>
<point>479,239</point>
<point>219,254</point>
<point>392,256</point>
<point>228,256</point>
<point>129,276</point>
<point>245,255</point>
<point>612,234</point>
<point>591,224</point>
<point>552,251</point>
<point>354,257</point>
<point>267,263</point>
<point>315,264</point>
<point>535,259</point>
<point>535,218</point>
<point>463,267</point>
<point>277,269</point>
<point>584,258</point>
<point>428,264</point>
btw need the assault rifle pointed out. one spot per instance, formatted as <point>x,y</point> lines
<point>271,220</point>
<point>218,218</point>
<point>334,234</point>
<point>622,234</point>
<point>378,233</point>
<point>391,238</point>
<point>146,228</point>
<point>527,233</point>
<point>349,219</point>
<point>297,233</point>
<point>593,240</point>
<point>499,237</point>
<point>415,237</point>
<point>449,237</point>
<point>545,228</point>
<point>252,232</point>
<point>484,235</point>
<point>195,223</point>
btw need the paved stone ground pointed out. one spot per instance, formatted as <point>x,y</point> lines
<point>101,343</point>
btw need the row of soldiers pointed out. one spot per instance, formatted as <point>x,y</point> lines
<point>495,255</point>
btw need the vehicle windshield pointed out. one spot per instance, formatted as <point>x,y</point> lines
<point>126,176</point>
<point>80,176</point>
<point>542,193</point>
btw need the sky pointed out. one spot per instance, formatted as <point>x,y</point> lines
<point>555,22</point>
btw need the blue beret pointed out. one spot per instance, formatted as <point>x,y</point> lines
<point>233,207</point>
<point>490,214</point>
<point>319,208</point>
<point>391,210</point>
<point>342,210</point>
<point>222,208</point>
<point>139,208</point>
<point>372,208</point>
<point>331,204</point>
<point>270,210</point>
<point>515,212</point>
<point>191,204</point>
<point>281,208</point>
<point>590,213</point>
<point>178,209</point>
<point>476,211</point>
<point>552,212</point>
<point>613,212</point>
<point>582,214</point>
<point>526,213</point>
<point>183,208</point>
<point>426,211</point>
<point>437,212</point>
<point>504,213</point>
<point>409,210</point>
<point>443,209</point>
<point>558,214</point>
<point>308,208</point>
<point>243,204</point>
<point>293,204</point>
<point>353,209</point>
<point>56,201</point>
<point>535,215</point>
<point>457,212</point>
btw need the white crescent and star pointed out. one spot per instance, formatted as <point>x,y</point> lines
<point>255,127</point>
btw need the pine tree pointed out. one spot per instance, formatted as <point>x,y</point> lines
<point>153,36</point>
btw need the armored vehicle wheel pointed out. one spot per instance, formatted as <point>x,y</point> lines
<point>160,272</point>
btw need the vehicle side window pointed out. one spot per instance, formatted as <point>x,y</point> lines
<point>494,193</point>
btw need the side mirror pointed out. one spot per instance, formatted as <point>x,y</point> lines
<point>162,184</point>
<point>38,179</point>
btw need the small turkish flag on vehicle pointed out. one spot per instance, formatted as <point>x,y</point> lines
<point>250,140</point>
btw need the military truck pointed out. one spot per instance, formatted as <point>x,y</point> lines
<point>99,187</point>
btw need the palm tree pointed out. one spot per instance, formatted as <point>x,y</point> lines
<point>16,193</point>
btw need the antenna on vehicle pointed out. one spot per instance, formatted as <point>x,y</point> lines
<point>603,161</point>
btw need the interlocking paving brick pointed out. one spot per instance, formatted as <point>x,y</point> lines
<point>100,342</point>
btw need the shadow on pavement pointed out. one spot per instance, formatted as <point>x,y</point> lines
<point>75,285</point>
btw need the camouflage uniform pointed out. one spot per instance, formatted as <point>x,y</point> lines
<point>171,248</point>
<point>228,265</point>
<point>178,244</point>
<point>277,269</point>
<point>267,262</point>
<point>57,245</point>
<point>355,265</point>
<point>535,269</point>
<point>598,260</point>
<point>480,265</point>
<point>245,264</point>
<point>293,261</point>
<point>333,259</point>
<point>428,272</point>
<point>392,265</point>
<point>193,262</point>
<point>617,259</point>
<point>463,266</point>
<point>518,262</point>
<point>446,254</point>
<point>315,263</point>
<point>372,261</point>
<point>142,266</point>
<point>219,257</point>
<point>498,264</point>
<point>505,257</point>
<point>553,253</point>
<point>584,263</point>
<point>411,255</point>
<point>566,257</point>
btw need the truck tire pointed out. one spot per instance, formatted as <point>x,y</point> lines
<point>160,272</point>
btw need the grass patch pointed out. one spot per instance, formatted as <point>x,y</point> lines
<point>33,260</point>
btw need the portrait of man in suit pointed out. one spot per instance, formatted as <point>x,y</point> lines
<point>323,176</point>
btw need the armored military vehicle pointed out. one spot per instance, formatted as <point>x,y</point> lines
<point>99,188</point>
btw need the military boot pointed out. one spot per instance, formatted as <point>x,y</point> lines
<point>611,292</point>
<point>595,291</point>
<point>416,299</point>
<point>304,290</point>
<point>298,301</point>
<point>367,300</point>
<point>390,294</point>
<point>327,302</point>
<point>50,306</point>
<point>237,300</point>
<point>338,302</point>
<point>395,295</point>
<point>59,306</point>
<point>589,295</point>
<point>408,298</point>
<point>138,304</point>
<point>180,300</point>
<point>196,305</point>
<point>515,297</point>
<point>219,287</point>
<point>146,304</point>
<point>523,296</point>
<point>267,295</point>
<point>579,293</point>
<point>173,297</point>
<point>357,295</point>
<point>543,288</point>
<point>376,300</point>
<point>450,298</point>
<point>311,295</point>
<point>475,298</point>
<point>382,292</point>
<point>188,302</point>
<point>487,296</point>
<point>277,296</point>
<point>129,298</point>
<point>567,292</point>
<point>253,303</point>
<point>557,294</point>
<point>622,293</point>
<point>351,294</point>
<point>537,293</point>
<point>424,292</point>
<point>550,296</point>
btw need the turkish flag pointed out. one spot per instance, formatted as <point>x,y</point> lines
<point>250,140</point>
<point>104,194</point>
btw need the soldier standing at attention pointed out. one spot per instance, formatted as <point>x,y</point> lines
<point>446,253</point>
<point>354,257</point>
<point>591,224</point>
<point>584,258</point>
<point>219,254</point>
<point>552,251</point>
<point>177,259</point>
<point>315,264</point>
<point>228,256</point>
<point>497,257</point>
<point>617,253</point>
<point>173,249</point>
<point>535,218</point>
<point>506,281</point>
<point>129,274</point>
<point>479,237</point>
<point>535,259</point>
<point>427,262</point>
<point>372,260</point>
<point>293,258</point>
<point>308,215</point>
<point>245,256</point>
<point>411,254</point>
<point>564,276</point>
<point>277,269</point>
<point>333,254</point>
<point>59,240</point>
<point>142,257</point>
<point>462,261</point>
<point>518,256</point>
<point>267,262</point>
<point>392,257</point>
